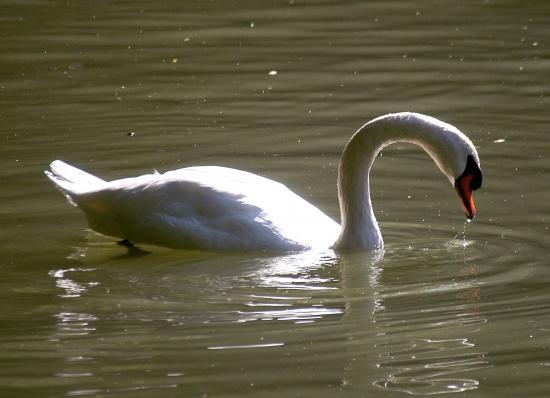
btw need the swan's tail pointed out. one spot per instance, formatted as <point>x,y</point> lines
<point>72,181</point>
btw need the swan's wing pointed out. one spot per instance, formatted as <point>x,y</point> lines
<point>212,208</point>
<point>290,215</point>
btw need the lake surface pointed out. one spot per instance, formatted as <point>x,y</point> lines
<point>276,88</point>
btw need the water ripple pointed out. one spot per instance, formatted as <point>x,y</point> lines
<point>428,367</point>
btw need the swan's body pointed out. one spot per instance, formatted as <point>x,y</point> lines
<point>211,208</point>
<point>218,208</point>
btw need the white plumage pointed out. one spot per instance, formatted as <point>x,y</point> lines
<point>209,208</point>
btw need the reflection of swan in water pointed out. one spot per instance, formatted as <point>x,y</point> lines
<point>286,286</point>
<point>377,331</point>
<point>298,283</point>
<point>217,208</point>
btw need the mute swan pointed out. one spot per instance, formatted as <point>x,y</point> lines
<point>223,209</point>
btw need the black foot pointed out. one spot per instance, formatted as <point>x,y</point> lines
<point>133,251</point>
<point>126,243</point>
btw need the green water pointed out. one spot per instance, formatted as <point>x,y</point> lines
<point>275,88</point>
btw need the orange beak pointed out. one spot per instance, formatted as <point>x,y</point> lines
<point>463,186</point>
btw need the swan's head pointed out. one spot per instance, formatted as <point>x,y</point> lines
<point>466,183</point>
<point>457,158</point>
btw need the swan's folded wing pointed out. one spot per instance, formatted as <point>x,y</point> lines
<point>211,208</point>
<point>293,218</point>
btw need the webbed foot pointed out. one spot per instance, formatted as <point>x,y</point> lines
<point>133,251</point>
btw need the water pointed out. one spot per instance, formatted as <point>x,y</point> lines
<point>275,88</point>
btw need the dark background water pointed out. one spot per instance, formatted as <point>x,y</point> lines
<point>275,88</point>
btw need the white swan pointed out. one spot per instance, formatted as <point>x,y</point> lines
<point>218,208</point>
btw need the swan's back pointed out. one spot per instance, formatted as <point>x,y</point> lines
<point>208,208</point>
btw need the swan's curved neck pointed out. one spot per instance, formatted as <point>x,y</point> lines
<point>360,230</point>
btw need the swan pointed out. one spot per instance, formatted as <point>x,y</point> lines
<point>223,209</point>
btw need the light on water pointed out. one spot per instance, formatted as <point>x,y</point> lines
<point>461,240</point>
<point>277,88</point>
<point>243,347</point>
